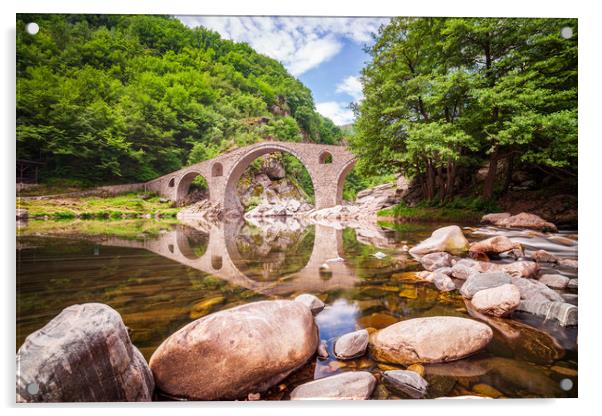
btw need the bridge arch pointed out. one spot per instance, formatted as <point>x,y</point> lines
<point>185,182</point>
<point>239,166</point>
<point>340,179</point>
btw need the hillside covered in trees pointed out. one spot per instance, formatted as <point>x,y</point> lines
<point>447,97</point>
<point>109,98</point>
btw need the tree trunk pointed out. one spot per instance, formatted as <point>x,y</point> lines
<point>491,174</point>
<point>509,170</point>
<point>430,180</point>
<point>451,178</point>
<point>441,183</point>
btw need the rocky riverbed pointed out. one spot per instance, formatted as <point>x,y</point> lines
<point>483,311</point>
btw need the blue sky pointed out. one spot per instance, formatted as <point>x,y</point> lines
<point>326,54</point>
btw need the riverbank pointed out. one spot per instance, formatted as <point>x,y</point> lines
<point>402,213</point>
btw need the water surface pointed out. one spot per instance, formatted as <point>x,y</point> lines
<point>159,278</point>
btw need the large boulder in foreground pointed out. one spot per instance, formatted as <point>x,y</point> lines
<point>352,385</point>
<point>314,304</point>
<point>497,301</point>
<point>430,340</point>
<point>234,352</point>
<point>84,354</point>
<point>449,239</point>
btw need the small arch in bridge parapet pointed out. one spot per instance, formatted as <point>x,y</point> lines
<point>170,247</point>
<point>216,262</point>
<point>172,182</point>
<point>325,158</point>
<point>217,170</point>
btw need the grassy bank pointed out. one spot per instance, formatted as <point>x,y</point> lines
<point>457,210</point>
<point>129,205</point>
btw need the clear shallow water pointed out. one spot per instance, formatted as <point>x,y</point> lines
<point>161,280</point>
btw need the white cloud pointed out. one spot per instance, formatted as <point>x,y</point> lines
<point>300,43</point>
<point>351,86</point>
<point>339,113</point>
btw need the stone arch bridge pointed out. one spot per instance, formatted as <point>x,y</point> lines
<point>328,165</point>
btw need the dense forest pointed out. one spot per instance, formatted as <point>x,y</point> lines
<point>110,98</point>
<point>445,97</point>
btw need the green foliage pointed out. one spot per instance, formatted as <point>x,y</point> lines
<point>402,212</point>
<point>475,203</point>
<point>128,98</point>
<point>298,175</point>
<point>443,94</point>
<point>355,182</point>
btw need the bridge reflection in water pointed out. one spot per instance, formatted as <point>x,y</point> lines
<point>222,258</point>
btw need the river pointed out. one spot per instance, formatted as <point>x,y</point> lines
<point>161,276</point>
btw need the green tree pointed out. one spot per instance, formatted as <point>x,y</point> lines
<point>128,98</point>
<point>447,92</point>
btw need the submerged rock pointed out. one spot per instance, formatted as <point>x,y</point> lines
<point>486,390</point>
<point>497,301</point>
<point>430,340</point>
<point>435,261</point>
<point>449,239</point>
<point>558,239</point>
<point>483,281</point>
<point>555,281</point>
<point>234,352</point>
<point>565,313</point>
<point>407,383</point>
<point>351,345</point>
<point>322,350</point>
<point>84,354</point>
<point>523,341</point>
<point>314,304</point>
<point>351,385</point>
<point>538,299</point>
